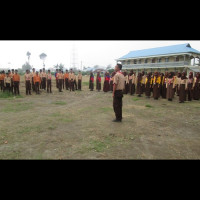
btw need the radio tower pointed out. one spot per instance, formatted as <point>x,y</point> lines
<point>74,58</point>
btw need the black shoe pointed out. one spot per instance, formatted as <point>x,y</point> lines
<point>116,120</point>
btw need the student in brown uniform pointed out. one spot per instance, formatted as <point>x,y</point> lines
<point>27,79</point>
<point>133,83</point>
<point>182,88</point>
<point>143,82</point>
<point>60,80</point>
<point>111,81</point>
<point>71,79</point>
<point>170,84</point>
<point>37,81</point>
<point>44,79</point>
<point>139,84</point>
<point>148,85</point>
<point>63,80</point>
<point>16,81</point>
<point>7,83</point>
<point>56,76</point>
<point>178,80</point>
<point>11,76</point>
<point>98,81</point>
<point>156,85</point>
<point>118,86</point>
<point>49,78</point>
<point>66,79</point>
<point>79,80</point>
<point>40,74</point>
<point>32,75</point>
<point>190,86</point>
<point>75,82</point>
<point>106,86</point>
<point>164,85</point>
<point>126,83</point>
<point>91,82</point>
<point>196,87</point>
<point>130,79</point>
<point>161,83</point>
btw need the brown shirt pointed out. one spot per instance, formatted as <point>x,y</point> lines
<point>49,76</point>
<point>60,75</point>
<point>27,77</point>
<point>72,76</point>
<point>119,81</point>
<point>143,79</point>
<point>7,80</point>
<point>79,76</point>
<point>44,74</point>
<point>133,79</point>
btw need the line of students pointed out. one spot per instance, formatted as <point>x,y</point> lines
<point>69,80</point>
<point>10,81</point>
<point>163,85</point>
<point>37,81</point>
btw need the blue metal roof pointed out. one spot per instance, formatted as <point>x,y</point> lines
<point>173,49</point>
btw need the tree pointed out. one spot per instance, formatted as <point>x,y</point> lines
<point>43,57</point>
<point>28,54</point>
<point>109,67</point>
<point>59,66</point>
<point>26,66</point>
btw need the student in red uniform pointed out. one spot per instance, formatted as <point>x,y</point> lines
<point>91,82</point>
<point>98,81</point>
<point>16,81</point>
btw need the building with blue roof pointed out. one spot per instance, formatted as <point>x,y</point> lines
<point>175,58</point>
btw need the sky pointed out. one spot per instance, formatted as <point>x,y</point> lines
<point>88,52</point>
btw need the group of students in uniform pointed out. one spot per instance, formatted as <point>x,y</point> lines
<point>36,81</point>
<point>68,80</point>
<point>10,81</point>
<point>163,85</point>
<point>107,84</point>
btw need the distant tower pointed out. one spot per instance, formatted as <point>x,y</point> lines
<point>74,58</point>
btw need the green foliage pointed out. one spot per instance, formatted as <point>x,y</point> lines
<point>7,95</point>
<point>148,106</point>
<point>25,67</point>
<point>59,66</point>
<point>60,103</point>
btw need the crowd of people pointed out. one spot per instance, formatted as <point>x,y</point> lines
<point>42,80</point>
<point>158,85</point>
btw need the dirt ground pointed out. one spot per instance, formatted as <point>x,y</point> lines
<point>78,125</point>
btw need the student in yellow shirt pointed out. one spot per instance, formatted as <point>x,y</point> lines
<point>156,86</point>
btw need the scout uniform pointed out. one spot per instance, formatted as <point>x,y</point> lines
<point>130,77</point>
<point>118,95</point>
<point>139,84</point>
<point>16,81</point>
<point>60,81</point>
<point>32,78</point>
<point>91,82</point>
<point>156,85</point>
<point>7,82</point>
<point>63,80</point>
<point>190,86</point>
<point>44,78</point>
<point>37,82</point>
<point>98,81</point>
<point>126,86</point>
<point>111,81</point>
<point>66,79</point>
<point>170,85</point>
<point>40,74</point>
<point>79,81</point>
<point>196,87</point>
<point>106,86</point>
<point>148,85</point>
<point>133,84</point>
<point>2,81</point>
<point>49,78</point>
<point>182,89</point>
<point>71,80</point>
<point>56,77</point>
<point>143,82</point>
<point>28,79</point>
<point>11,76</point>
<point>75,83</point>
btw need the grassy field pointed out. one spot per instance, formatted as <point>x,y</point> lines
<point>78,125</point>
